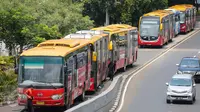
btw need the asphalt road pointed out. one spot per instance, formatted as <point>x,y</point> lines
<point>147,90</point>
<point>144,55</point>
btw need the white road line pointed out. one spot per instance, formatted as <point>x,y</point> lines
<point>166,51</point>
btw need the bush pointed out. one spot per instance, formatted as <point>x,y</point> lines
<point>8,79</point>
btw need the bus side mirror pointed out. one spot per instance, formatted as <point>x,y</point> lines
<point>161,26</point>
<point>110,46</point>
<point>94,56</point>
<point>16,70</point>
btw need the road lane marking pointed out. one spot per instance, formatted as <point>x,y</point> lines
<point>149,63</point>
<point>188,50</point>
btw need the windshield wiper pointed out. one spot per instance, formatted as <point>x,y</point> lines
<point>48,83</point>
<point>51,85</point>
<point>179,85</point>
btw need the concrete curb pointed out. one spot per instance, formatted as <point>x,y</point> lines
<point>97,103</point>
<point>115,106</point>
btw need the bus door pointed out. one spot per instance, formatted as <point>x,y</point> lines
<point>81,69</point>
<point>186,20</point>
<point>174,25</point>
<point>101,59</point>
<point>190,19</point>
<point>170,27</point>
<point>134,36</point>
<point>177,20</point>
<point>194,17</point>
<point>121,45</point>
<point>88,67</point>
<point>166,29</point>
<point>130,47</point>
<point>114,52</point>
<point>98,76</point>
<point>72,79</point>
<point>105,57</point>
<point>69,76</point>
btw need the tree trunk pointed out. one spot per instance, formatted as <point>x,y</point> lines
<point>21,49</point>
<point>10,50</point>
<point>107,17</point>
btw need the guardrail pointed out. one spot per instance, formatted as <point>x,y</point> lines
<point>102,102</point>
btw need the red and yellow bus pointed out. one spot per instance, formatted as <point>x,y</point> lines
<point>99,46</point>
<point>171,22</point>
<point>185,21</point>
<point>192,15</point>
<point>58,71</point>
<point>122,46</point>
<point>154,29</point>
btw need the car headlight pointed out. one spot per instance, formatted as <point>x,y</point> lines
<point>189,91</point>
<point>179,72</point>
<point>22,96</point>
<point>57,96</point>
<point>169,90</point>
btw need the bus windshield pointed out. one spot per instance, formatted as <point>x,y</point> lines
<point>40,70</point>
<point>182,17</point>
<point>149,28</point>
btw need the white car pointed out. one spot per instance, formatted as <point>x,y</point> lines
<point>182,88</point>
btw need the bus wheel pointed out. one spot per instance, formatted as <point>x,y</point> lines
<point>124,68</point>
<point>170,40</point>
<point>82,97</point>
<point>132,64</point>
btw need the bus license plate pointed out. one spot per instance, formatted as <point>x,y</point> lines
<point>40,103</point>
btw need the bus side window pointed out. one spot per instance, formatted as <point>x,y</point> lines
<point>81,58</point>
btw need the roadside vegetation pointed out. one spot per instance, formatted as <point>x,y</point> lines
<point>8,79</point>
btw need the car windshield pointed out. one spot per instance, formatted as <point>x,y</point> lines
<point>180,82</point>
<point>40,70</point>
<point>189,63</point>
<point>149,28</point>
<point>182,17</point>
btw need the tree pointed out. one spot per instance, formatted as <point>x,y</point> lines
<point>121,11</point>
<point>29,22</point>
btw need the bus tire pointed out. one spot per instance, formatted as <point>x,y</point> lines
<point>124,68</point>
<point>170,40</point>
<point>82,97</point>
<point>132,64</point>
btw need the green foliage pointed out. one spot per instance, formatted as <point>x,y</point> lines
<point>173,2</point>
<point>25,22</point>
<point>8,79</point>
<point>121,11</point>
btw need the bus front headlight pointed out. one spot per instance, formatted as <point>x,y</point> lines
<point>57,96</point>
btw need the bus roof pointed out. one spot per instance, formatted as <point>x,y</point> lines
<point>176,12</point>
<point>187,5</point>
<point>56,47</point>
<point>121,26</point>
<point>159,13</point>
<point>179,7</point>
<point>92,32</point>
<point>85,37</point>
<point>164,12</point>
